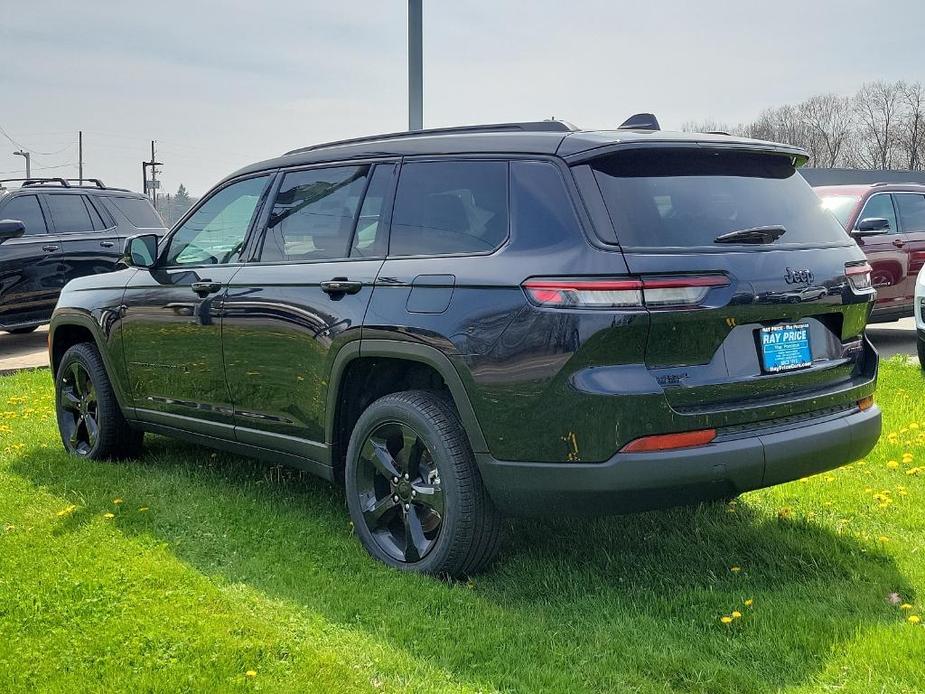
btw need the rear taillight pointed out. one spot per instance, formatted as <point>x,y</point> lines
<point>652,292</point>
<point>859,277</point>
<point>667,442</point>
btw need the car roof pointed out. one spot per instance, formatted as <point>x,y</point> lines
<point>860,189</point>
<point>570,144</point>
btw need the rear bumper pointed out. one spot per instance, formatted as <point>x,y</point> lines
<point>642,481</point>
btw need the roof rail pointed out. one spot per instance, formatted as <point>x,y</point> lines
<point>36,181</point>
<point>526,126</point>
<point>640,121</point>
<point>897,183</point>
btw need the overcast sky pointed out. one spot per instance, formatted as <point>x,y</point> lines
<point>220,85</point>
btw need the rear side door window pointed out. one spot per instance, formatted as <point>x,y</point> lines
<point>26,209</point>
<point>450,208</point>
<point>313,214</point>
<point>69,213</point>
<point>911,211</point>
<point>880,207</point>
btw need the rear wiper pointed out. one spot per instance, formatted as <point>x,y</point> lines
<point>767,234</point>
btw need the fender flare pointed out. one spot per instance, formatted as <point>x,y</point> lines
<point>408,351</point>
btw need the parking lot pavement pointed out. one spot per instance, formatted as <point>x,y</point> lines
<point>894,338</point>
<point>23,351</point>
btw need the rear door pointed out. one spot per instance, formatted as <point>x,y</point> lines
<point>89,242</point>
<point>31,274</point>
<point>303,296</point>
<point>886,254</point>
<point>716,355</point>
<point>911,210</point>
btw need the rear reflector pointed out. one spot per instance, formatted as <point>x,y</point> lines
<point>657,292</point>
<point>866,403</point>
<point>859,276</point>
<point>665,442</point>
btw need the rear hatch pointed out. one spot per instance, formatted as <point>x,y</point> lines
<point>776,326</point>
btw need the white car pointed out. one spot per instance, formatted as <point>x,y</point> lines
<point>919,304</point>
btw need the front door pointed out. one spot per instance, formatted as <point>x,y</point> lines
<point>911,209</point>
<point>303,296</point>
<point>31,273</point>
<point>172,314</point>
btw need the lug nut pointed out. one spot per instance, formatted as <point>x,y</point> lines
<point>395,498</point>
<point>406,476</point>
<point>413,493</point>
<point>407,507</point>
<point>395,480</point>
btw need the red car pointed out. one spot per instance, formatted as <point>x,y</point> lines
<point>888,222</point>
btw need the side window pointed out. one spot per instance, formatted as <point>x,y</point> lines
<point>371,237</point>
<point>880,206</point>
<point>215,233</point>
<point>69,213</point>
<point>26,209</point>
<point>313,214</point>
<point>911,211</point>
<point>541,212</point>
<point>97,220</point>
<point>450,207</point>
<point>138,211</point>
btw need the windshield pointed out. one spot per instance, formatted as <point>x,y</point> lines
<point>841,206</point>
<point>686,198</point>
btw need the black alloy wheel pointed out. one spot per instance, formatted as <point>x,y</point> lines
<point>78,410</point>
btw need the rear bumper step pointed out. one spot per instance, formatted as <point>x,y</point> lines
<point>643,481</point>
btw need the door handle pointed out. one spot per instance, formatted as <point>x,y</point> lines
<point>107,244</point>
<point>49,247</point>
<point>341,285</point>
<point>899,243</point>
<point>205,287</point>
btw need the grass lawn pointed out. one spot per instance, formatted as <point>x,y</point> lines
<point>190,570</point>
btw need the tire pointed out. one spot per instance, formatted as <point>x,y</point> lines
<point>89,419</point>
<point>22,331</point>
<point>920,343</point>
<point>444,523</point>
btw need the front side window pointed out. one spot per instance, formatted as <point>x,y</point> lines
<point>215,233</point>
<point>313,214</point>
<point>69,213</point>
<point>881,207</point>
<point>26,209</point>
<point>450,207</point>
<point>911,211</point>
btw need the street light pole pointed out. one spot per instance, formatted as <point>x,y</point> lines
<point>415,66</point>
<point>28,158</point>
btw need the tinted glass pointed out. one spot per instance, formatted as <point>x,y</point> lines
<point>450,207</point>
<point>138,211</point>
<point>541,211</point>
<point>683,198</point>
<point>841,206</point>
<point>881,207</point>
<point>95,217</point>
<point>911,211</point>
<point>215,233</point>
<point>313,214</point>
<point>69,213</point>
<point>26,209</point>
<point>371,239</point>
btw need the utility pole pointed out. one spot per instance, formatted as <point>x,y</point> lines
<point>150,184</point>
<point>28,158</point>
<point>80,156</point>
<point>415,66</point>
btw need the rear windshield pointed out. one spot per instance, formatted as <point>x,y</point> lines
<point>138,211</point>
<point>661,198</point>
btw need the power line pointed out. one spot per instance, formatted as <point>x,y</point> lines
<point>30,149</point>
<point>41,168</point>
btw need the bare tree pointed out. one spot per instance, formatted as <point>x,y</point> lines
<point>912,127</point>
<point>878,107</point>
<point>828,125</point>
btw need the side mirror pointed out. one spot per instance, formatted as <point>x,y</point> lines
<point>871,226</point>
<point>140,251</point>
<point>11,229</point>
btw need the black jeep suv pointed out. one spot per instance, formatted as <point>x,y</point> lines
<point>462,323</point>
<point>52,231</point>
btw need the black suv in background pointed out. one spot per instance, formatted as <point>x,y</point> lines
<point>521,318</point>
<point>52,231</point>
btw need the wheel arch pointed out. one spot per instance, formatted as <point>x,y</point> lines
<point>408,366</point>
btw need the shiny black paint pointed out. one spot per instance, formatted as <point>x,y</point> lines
<point>259,361</point>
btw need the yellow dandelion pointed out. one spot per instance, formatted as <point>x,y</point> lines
<point>68,510</point>
<point>914,425</point>
<point>142,509</point>
<point>749,602</point>
<point>829,478</point>
<point>725,619</point>
<point>905,606</point>
<point>883,539</point>
<point>892,465</point>
<point>117,501</point>
<point>913,471</point>
<point>735,569</point>
<point>250,673</point>
<point>736,614</point>
<point>784,513</point>
<point>109,515</point>
<point>913,619</point>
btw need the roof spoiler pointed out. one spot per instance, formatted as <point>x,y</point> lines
<point>640,121</point>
